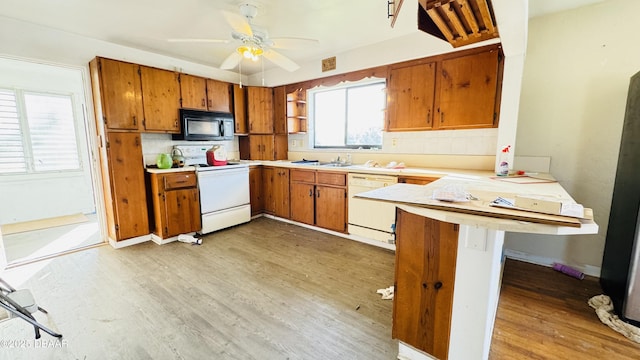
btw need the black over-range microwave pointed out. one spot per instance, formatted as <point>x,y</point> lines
<point>197,125</point>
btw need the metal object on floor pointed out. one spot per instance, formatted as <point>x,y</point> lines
<point>20,303</point>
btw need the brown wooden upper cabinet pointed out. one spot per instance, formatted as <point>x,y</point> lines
<point>468,91</point>
<point>411,93</point>
<point>240,109</point>
<point>219,96</point>
<point>205,94</point>
<point>161,100</point>
<point>452,91</point>
<point>193,92</point>
<point>279,110</point>
<point>117,93</point>
<point>260,110</point>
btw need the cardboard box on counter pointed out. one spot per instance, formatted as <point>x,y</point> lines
<point>549,206</point>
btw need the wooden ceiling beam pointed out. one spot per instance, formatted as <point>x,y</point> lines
<point>451,13</point>
<point>442,25</point>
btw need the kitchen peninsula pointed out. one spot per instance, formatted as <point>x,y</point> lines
<point>449,263</point>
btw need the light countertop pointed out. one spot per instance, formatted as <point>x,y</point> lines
<point>417,199</point>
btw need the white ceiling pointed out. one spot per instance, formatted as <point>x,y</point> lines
<point>339,25</point>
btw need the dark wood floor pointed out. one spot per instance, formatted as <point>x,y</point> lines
<point>271,290</point>
<point>543,314</point>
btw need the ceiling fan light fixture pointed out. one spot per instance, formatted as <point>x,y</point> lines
<point>250,52</point>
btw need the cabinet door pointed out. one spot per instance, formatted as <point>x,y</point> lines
<point>161,100</point>
<point>268,177</point>
<point>256,147</point>
<point>279,110</point>
<point>281,193</point>
<point>331,208</point>
<point>255,189</point>
<point>182,212</point>
<point>240,109</point>
<point>128,189</point>
<point>260,110</point>
<point>268,151</point>
<point>219,96</point>
<point>468,89</point>
<point>193,92</point>
<point>302,202</point>
<point>280,147</point>
<point>411,97</point>
<point>121,94</point>
<point>426,251</point>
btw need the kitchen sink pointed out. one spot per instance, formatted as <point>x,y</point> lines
<point>335,164</point>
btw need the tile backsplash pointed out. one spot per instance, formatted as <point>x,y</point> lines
<point>154,144</point>
<point>441,142</point>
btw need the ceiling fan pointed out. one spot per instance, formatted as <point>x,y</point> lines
<point>253,41</point>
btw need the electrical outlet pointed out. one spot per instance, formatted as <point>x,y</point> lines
<point>476,243</point>
<point>294,143</point>
<point>394,142</point>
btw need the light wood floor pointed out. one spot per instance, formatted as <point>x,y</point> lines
<point>271,290</point>
<point>266,290</point>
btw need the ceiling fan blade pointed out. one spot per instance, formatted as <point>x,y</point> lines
<point>292,42</point>
<point>231,61</point>
<point>281,60</point>
<point>238,22</point>
<point>218,41</point>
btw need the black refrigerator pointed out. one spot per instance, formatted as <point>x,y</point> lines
<point>620,276</point>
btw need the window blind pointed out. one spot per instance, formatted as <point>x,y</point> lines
<point>12,155</point>
<point>37,132</point>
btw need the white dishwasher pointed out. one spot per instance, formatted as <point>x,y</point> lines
<point>369,218</point>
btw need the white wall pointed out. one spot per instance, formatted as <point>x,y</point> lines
<point>34,196</point>
<point>576,77</point>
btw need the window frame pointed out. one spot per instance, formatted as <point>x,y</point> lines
<point>344,85</point>
<point>30,169</point>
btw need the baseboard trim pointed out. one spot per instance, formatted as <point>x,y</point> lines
<point>548,262</point>
<point>357,238</point>
<point>129,242</point>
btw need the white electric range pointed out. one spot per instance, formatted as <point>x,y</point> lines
<point>224,190</point>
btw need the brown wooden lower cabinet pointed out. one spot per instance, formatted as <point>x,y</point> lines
<point>426,251</point>
<point>276,191</point>
<point>319,198</point>
<point>176,203</point>
<point>255,190</point>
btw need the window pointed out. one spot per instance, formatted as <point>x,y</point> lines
<point>37,132</point>
<point>349,116</point>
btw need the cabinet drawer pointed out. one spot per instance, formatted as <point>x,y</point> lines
<point>179,180</point>
<point>308,176</point>
<point>329,178</point>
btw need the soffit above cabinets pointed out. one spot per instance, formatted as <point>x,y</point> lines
<point>459,22</point>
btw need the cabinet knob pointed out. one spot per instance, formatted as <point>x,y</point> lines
<point>310,192</point>
<point>424,285</point>
<point>437,285</point>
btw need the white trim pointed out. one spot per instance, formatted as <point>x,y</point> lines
<point>548,262</point>
<point>335,233</point>
<point>129,242</point>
